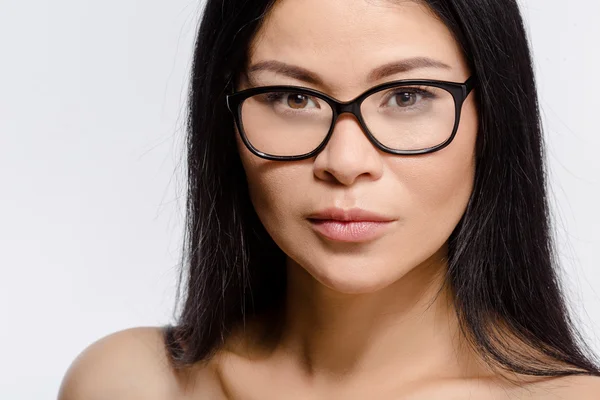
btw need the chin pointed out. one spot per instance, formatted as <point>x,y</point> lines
<point>352,277</point>
<point>355,286</point>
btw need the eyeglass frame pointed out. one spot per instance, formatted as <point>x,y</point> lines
<point>459,92</point>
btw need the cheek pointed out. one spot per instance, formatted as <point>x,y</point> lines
<point>441,183</point>
<point>276,195</point>
<point>440,195</point>
<point>274,188</point>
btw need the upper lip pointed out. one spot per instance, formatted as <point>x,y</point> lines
<point>352,214</point>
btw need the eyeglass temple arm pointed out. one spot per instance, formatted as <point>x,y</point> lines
<point>470,84</point>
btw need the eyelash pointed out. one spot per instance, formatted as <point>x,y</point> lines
<point>276,96</point>
<point>412,90</point>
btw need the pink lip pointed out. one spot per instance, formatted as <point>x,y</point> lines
<point>354,225</point>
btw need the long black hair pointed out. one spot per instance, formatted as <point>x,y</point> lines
<point>502,267</point>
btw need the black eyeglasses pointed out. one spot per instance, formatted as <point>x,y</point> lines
<point>405,117</point>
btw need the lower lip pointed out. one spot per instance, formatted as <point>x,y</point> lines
<point>350,231</point>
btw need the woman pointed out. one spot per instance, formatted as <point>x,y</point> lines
<point>367,215</point>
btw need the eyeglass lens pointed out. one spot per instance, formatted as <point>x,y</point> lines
<point>400,118</point>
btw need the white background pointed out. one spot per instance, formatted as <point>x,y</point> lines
<point>92,98</point>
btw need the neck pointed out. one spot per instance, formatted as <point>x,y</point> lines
<point>409,327</point>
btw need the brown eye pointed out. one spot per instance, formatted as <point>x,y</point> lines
<point>297,101</point>
<point>406,98</point>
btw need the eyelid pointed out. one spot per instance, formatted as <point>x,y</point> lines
<point>320,92</point>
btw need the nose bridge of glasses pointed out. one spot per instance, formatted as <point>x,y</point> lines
<point>350,107</point>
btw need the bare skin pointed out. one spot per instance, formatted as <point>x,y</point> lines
<point>362,320</point>
<point>133,364</point>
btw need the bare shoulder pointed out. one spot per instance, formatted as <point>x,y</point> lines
<point>581,387</point>
<point>525,388</point>
<point>129,364</point>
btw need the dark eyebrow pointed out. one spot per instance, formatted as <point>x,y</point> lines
<point>378,73</point>
<point>291,71</point>
<point>405,66</point>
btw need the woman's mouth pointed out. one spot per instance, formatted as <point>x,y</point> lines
<point>349,231</point>
<point>353,225</point>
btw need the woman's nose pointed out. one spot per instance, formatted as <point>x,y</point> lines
<point>348,155</point>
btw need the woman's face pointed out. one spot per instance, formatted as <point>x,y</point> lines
<point>423,197</point>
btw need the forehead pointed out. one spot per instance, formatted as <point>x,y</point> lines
<point>343,40</point>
